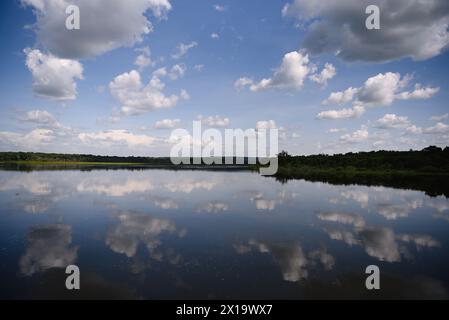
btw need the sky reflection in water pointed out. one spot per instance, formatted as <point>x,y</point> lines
<point>198,234</point>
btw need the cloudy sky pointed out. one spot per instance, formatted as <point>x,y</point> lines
<point>137,69</point>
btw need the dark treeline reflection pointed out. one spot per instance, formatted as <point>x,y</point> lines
<point>432,184</point>
<point>185,234</point>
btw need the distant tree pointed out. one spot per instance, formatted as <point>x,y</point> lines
<point>432,149</point>
<point>284,154</point>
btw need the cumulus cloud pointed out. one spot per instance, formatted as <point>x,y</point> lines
<point>356,136</point>
<point>143,60</point>
<point>290,75</point>
<point>215,36</point>
<point>40,117</point>
<point>392,121</point>
<point>336,130</point>
<point>413,130</point>
<point>325,75</point>
<point>53,78</point>
<point>183,48</point>
<point>418,93</point>
<point>137,98</point>
<point>177,71</point>
<point>438,128</point>
<point>268,124</point>
<point>377,91</point>
<point>341,97</point>
<point>380,90</point>
<point>214,121</point>
<point>104,25</point>
<point>241,83</point>
<point>346,113</point>
<point>34,139</point>
<point>110,137</point>
<point>167,123</point>
<point>409,28</point>
<point>440,118</point>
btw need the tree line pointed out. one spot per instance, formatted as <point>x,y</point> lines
<point>428,159</point>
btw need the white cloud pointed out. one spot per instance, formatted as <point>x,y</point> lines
<point>136,98</point>
<point>419,93</point>
<point>143,60</point>
<point>41,117</point>
<point>354,112</point>
<point>413,130</point>
<point>290,75</point>
<point>392,121</point>
<point>32,140</point>
<point>53,78</point>
<point>198,67</point>
<point>336,130</point>
<point>341,97</point>
<point>215,36</point>
<point>182,49</point>
<point>242,83</point>
<point>356,137</point>
<point>440,118</point>
<point>177,71</point>
<point>184,95</point>
<point>438,128</point>
<point>409,28</point>
<point>325,75</point>
<point>105,25</point>
<point>219,8</point>
<point>270,124</point>
<point>116,136</point>
<point>215,121</point>
<point>381,90</point>
<point>167,123</point>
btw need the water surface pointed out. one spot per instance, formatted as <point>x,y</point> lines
<point>158,234</point>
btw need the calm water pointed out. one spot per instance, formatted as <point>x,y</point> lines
<point>197,234</point>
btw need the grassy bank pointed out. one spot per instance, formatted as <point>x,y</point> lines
<point>80,163</point>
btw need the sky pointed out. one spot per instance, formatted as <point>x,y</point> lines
<point>138,69</point>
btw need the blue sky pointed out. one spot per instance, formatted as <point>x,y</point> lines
<point>76,91</point>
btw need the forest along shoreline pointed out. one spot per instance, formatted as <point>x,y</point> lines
<point>425,170</point>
